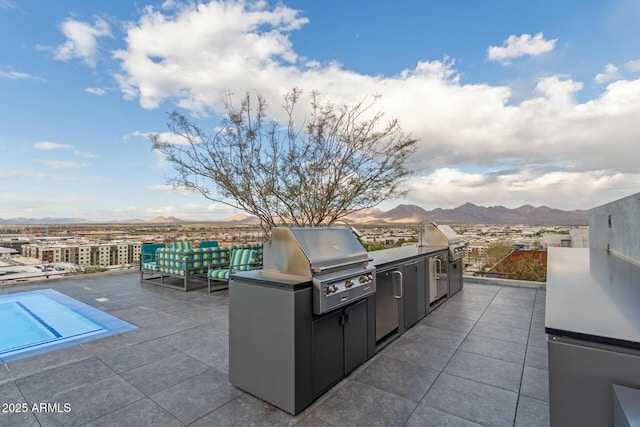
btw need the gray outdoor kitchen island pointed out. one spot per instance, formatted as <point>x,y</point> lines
<point>593,326</point>
<point>285,350</point>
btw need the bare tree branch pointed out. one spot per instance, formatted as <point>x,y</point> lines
<point>341,160</point>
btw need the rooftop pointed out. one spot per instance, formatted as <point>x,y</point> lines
<point>478,359</point>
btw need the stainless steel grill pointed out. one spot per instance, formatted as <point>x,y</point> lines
<point>443,235</point>
<point>332,258</point>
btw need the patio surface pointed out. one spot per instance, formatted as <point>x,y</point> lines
<point>478,359</point>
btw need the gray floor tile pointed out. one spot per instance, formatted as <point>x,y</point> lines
<point>245,410</point>
<point>357,404</point>
<point>528,294</point>
<point>45,386</point>
<point>491,347</point>
<point>468,304</point>
<point>473,401</point>
<point>199,395</point>
<point>420,353</point>
<point>402,378</point>
<point>457,311</point>
<point>535,383</point>
<point>131,357</point>
<point>481,288</point>
<point>514,302</point>
<point>436,336</point>
<point>537,339</point>
<point>499,332</point>
<point>532,413</point>
<point>520,322</point>
<point>449,323</point>
<point>5,375</point>
<point>201,343</point>
<point>30,365</point>
<point>537,357</point>
<point>144,412</point>
<point>18,415</point>
<point>92,401</point>
<point>487,370</point>
<point>509,310</point>
<point>161,374</point>
<point>425,416</point>
<point>160,329</point>
<point>313,421</point>
<point>107,344</point>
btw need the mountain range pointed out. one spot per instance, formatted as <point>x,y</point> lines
<point>467,213</point>
<point>473,214</point>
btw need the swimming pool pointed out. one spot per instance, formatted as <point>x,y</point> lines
<point>39,321</point>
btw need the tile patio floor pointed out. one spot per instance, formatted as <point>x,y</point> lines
<point>478,359</point>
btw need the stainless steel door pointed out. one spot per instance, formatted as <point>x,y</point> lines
<point>438,283</point>
<point>387,296</point>
<point>442,263</point>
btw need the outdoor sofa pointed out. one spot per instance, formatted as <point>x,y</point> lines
<point>181,266</point>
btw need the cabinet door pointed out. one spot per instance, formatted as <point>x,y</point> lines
<point>387,317</point>
<point>410,294</point>
<point>355,336</point>
<point>455,277</point>
<point>328,351</point>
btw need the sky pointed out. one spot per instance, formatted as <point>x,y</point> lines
<point>512,103</point>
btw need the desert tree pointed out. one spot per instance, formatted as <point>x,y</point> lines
<point>336,160</point>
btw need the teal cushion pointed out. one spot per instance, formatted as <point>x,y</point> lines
<point>220,274</point>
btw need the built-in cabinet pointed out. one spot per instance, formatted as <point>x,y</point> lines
<point>339,345</point>
<point>414,284</point>
<point>455,277</point>
<point>406,290</point>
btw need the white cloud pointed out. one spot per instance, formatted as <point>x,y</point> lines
<point>515,47</point>
<point>452,187</point>
<point>64,164</point>
<point>95,91</point>
<point>633,66</point>
<point>16,75</point>
<point>47,145</point>
<point>610,73</point>
<point>200,53</point>
<point>7,4</point>
<point>82,40</point>
<point>84,154</point>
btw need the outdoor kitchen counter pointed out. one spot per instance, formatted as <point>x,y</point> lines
<point>593,296</point>
<point>278,280</point>
<point>593,326</point>
<point>404,253</point>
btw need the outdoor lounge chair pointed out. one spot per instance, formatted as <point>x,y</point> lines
<point>241,260</point>
<point>148,257</point>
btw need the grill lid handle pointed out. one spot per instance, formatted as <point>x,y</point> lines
<point>318,269</point>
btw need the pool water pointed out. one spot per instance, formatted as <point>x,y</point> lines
<point>39,321</point>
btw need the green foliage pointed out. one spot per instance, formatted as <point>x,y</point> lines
<point>499,250</point>
<point>89,269</point>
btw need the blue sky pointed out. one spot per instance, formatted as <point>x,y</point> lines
<point>512,102</point>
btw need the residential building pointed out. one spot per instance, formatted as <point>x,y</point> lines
<point>104,254</point>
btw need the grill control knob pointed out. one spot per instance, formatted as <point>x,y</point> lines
<point>348,284</point>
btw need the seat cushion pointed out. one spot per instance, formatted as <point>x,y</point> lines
<point>220,274</point>
<point>149,266</point>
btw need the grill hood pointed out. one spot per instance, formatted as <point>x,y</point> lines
<point>309,251</point>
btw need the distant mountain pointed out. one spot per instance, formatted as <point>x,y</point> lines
<point>473,214</point>
<point>241,218</point>
<point>165,220</point>
<point>46,220</point>
<point>401,214</point>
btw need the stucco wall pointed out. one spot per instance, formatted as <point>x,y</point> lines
<point>617,224</point>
